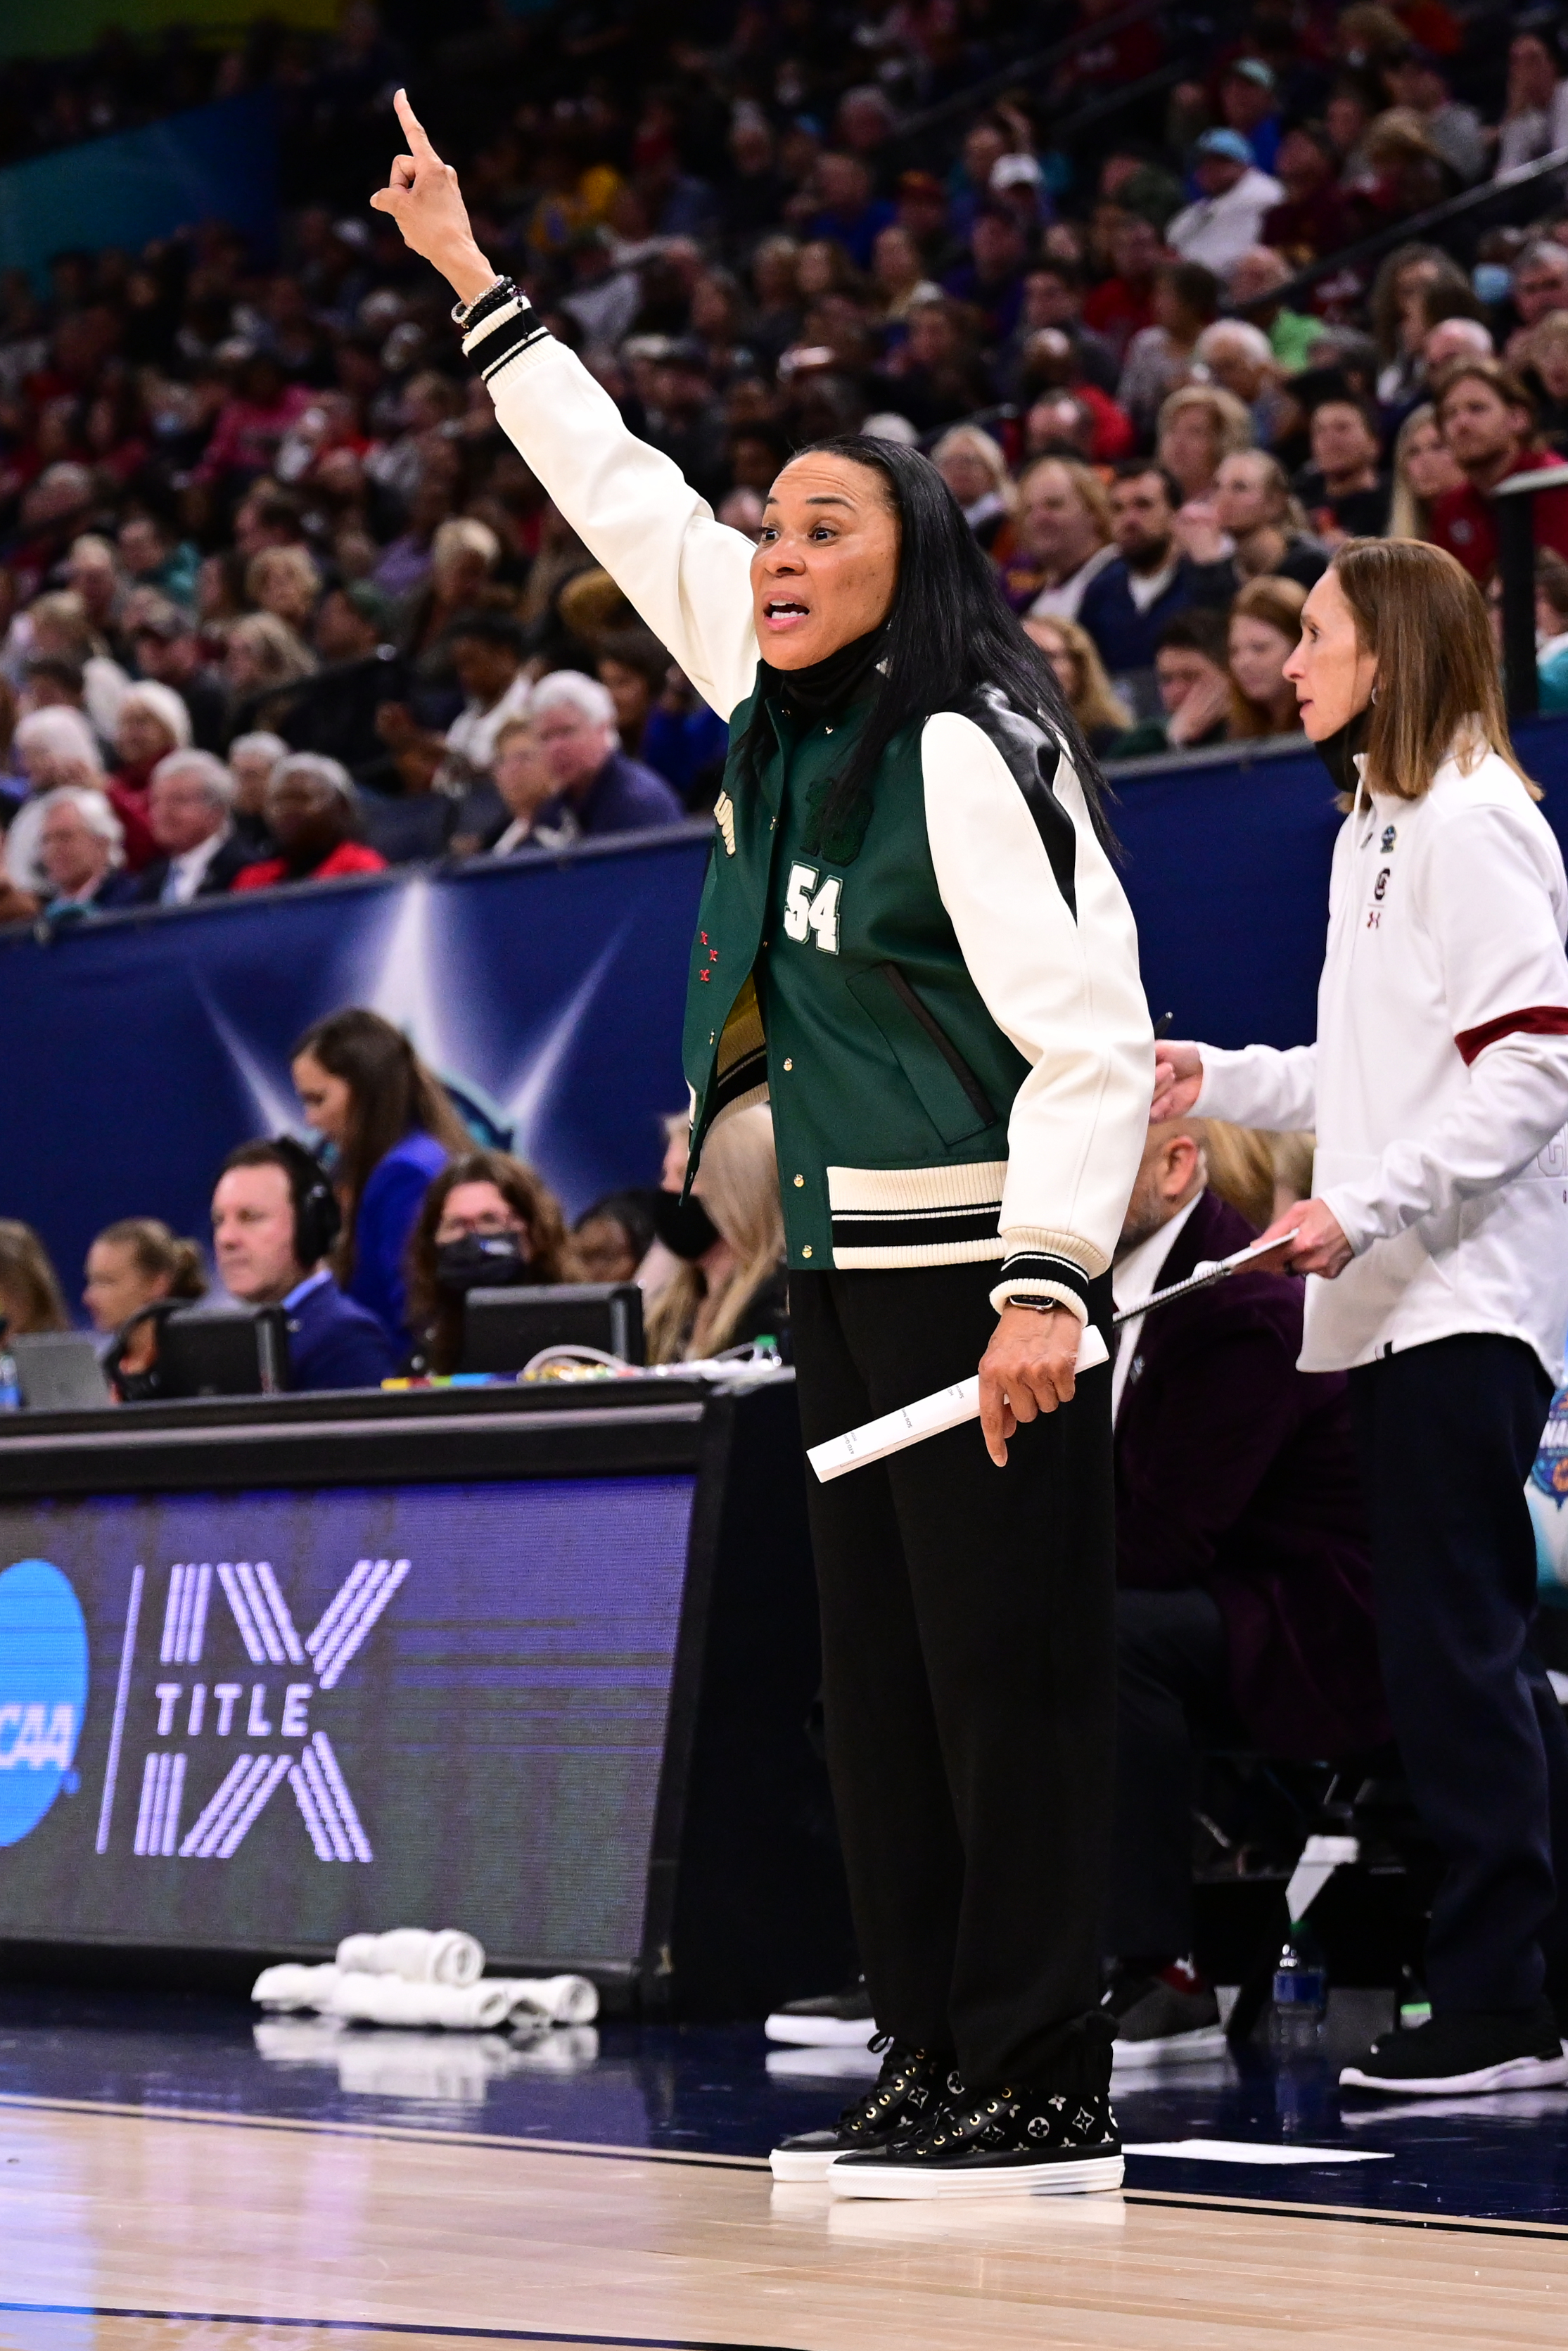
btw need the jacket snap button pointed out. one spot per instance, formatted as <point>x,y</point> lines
<point>807,1250</point>
<point>789,1064</point>
<point>799,1183</point>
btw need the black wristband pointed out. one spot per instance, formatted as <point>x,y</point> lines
<point>474,314</point>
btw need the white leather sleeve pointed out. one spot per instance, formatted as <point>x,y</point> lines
<point>1064,987</point>
<point>687,575</point>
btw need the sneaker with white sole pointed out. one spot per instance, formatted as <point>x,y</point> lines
<point>1010,2142</point>
<point>834,2020</point>
<point>1171,2019</point>
<point>909,2087</point>
<point>1465,2049</point>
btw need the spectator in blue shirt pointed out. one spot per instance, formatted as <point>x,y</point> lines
<point>598,789</point>
<point>1125,605</point>
<point>851,215</point>
<point>390,1128</point>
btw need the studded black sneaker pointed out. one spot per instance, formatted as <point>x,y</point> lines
<point>907,2090</point>
<point>1008,2142</point>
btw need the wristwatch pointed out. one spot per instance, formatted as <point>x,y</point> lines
<point>1040,1305</point>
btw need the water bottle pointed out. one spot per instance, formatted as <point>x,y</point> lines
<point>10,1389</point>
<point>1300,1985</point>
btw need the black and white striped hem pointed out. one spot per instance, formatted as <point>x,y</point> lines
<point>502,323</point>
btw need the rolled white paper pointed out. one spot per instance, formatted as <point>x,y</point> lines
<point>928,1416</point>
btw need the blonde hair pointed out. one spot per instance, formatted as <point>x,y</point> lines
<point>281,655</point>
<point>1229,419</point>
<point>1409,516</point>
<point>1241,1162</point>
<point>1278,604</point>
<point>30,1293</point>
<point>1092,494</point>
<point>159,1254</point>
<point>976,444</point>
<point>1294,1153</point>
<point>282,564</point>
<point>738,1184</point>
<point>464,532</point>
<point>1096,703</point>
<point>1422,616</point>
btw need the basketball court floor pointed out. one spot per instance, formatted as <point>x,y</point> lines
<point>182,2172</point>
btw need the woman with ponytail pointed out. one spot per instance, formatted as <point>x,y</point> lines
<point>913,944</point>
<point>1435,1247</point>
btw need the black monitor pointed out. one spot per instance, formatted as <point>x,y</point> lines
<point>239,1351</point>
<point>503,1330</point>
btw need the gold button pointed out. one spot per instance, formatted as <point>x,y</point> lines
<point>787,1063</point>
<point>830,730</point>
<point>807,1250</point>
<point>799,1183</point>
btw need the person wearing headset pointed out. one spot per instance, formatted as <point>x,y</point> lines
<point>275,1219</point>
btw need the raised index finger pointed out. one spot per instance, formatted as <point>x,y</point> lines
<point>414,129</point>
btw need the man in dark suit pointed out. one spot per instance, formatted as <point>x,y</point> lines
<point>1244,1602</point>
<point>274,1220</point>
<point>189,801</point>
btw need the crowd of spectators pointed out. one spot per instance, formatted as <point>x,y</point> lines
<point>372,1241</point>
<point>278,601</point>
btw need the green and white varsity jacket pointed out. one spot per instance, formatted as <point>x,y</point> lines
<point>951,1029</point>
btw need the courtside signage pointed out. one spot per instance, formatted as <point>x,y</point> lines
<point>266,1719</point>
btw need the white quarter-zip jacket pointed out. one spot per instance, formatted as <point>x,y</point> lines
<point>1438,1084</point>
<point>1064,989</point>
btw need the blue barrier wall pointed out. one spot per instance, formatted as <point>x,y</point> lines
<point>137,1050</point>
<point>212,162</point>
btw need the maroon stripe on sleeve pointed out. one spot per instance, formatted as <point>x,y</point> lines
<point>1533,1020</point>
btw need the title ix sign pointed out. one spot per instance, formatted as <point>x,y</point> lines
<point>211,1765</point>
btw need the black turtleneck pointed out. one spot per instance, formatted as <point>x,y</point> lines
<point>1338,751</point>
<point>824,688</point>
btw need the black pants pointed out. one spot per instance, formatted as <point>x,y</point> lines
<point>1171,1693</point>
<point>1447,1434</point>
<point>967,1668</point>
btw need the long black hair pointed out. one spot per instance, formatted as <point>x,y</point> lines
<point>949,631</point>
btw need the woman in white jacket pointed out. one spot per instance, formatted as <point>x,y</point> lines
<point>1436,1252</point>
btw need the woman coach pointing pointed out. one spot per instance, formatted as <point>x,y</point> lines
<point>911,941</point>
<point>1439,1087</point>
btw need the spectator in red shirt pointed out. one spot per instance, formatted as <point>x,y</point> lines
<point>310,809</point>
<point>152,722</point>
<point>1123,305</point>
<point>253,421</point>
<point>1488,423</point>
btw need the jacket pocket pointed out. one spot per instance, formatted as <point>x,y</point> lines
<point>944,1085</point>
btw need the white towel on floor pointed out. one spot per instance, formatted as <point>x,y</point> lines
<point>355,1996</point>
<point>561,1999</point>
<point>294,1987</point>
<point>417,1954</point>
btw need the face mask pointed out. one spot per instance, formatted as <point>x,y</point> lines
<point>481,1261</point>
<point>685,1228</point>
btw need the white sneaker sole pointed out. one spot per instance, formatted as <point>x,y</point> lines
<point>821,2032</point>
<point>1091,2177</point>
<point>1514,2074</point>
<point>1173,2049</point>
<point>804,2164</point>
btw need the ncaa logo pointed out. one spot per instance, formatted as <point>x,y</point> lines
<point>43,1691</point>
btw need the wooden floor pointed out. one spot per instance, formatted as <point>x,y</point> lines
<point>128,2232</point>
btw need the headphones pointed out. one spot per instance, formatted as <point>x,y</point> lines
<point>317,1218</point>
